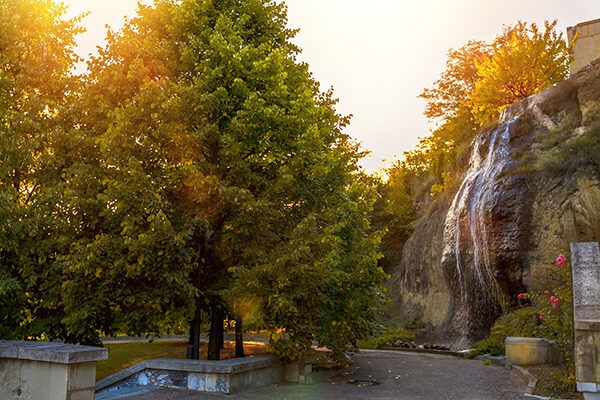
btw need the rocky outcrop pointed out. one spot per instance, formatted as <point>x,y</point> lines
<point>521,203</point>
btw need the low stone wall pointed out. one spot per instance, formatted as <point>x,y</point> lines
<point>48,371</point>
<point>226,376</point>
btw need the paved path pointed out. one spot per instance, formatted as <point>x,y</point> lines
<point>400,375</point>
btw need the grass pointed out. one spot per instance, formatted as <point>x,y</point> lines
<point>124,355</point>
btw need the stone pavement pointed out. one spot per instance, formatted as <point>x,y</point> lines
<point>399,375</point>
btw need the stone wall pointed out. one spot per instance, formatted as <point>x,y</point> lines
<point>48,371</point>
<point>587,46</point>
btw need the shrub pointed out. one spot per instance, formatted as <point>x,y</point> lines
<point>385,338</point>
<point>546,313</point>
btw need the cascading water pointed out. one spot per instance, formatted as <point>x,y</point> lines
<point>466,255</point>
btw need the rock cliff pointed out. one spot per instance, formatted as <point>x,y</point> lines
<point>532,187</point>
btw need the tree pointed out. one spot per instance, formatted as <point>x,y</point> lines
<point>525,60</point>
<point>225,176</point>
<point>36,87</point>
<point>451,94</point>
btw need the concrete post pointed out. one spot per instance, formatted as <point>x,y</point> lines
<point>48,371</point>
<point>585,262</point>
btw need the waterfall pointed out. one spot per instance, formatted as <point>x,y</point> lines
<point>466,240</point>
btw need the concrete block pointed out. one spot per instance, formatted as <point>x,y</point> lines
<point>584,357</point>
<point>87,394</point>
<point>586,386</point>
<point>43,380</point>
<point>529,351</point>
<point>51,352</point>
<point>82,376</point>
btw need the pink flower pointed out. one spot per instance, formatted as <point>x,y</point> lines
<point>561,260</point>
<point>520,296</point>
<point>555,305</point>
<point>546,292</point>
<point>553,299</point>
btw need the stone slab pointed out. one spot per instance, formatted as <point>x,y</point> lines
<point>51,352</point>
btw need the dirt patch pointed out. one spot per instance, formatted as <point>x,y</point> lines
<point>551,382</point>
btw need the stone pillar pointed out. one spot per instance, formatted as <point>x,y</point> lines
<point>585,261</point>
<point>48,371</point>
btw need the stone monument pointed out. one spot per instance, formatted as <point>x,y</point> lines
<point>585,261</point>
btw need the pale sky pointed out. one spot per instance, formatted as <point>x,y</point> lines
<point>379,54</point>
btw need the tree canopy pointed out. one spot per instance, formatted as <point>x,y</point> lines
<point>204,169</point>
<point>36,58</point>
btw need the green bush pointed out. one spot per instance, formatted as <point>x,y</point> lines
<point>546,313</point>
<point>385,338</point>
<point>520,322</point>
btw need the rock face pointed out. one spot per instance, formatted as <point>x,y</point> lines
<point>522,201</point>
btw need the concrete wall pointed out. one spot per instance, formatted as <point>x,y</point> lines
<point>587,46</point>
<point>226,376</point>
<point>48,371</point>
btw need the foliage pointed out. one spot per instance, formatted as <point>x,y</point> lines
<point>562,151</point>
<point>451,94</point>
<point>521,322</point>
<point>385,338</point>
<point>199,166</point>
<point>36,88</point>
<point>525,60</point>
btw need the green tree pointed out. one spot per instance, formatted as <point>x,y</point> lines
<point>36,87</point>
<point>224,176</point>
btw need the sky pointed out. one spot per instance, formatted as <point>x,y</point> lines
<point>378,55</point>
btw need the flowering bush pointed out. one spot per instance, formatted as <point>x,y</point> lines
<point>554,310</point>
<point>546,312</point>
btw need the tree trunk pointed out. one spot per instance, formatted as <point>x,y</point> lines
<point>216,337</point>
<point>239,338</point>
<point>195,333</point>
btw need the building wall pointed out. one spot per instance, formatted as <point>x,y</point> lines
<point>587,46</point>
